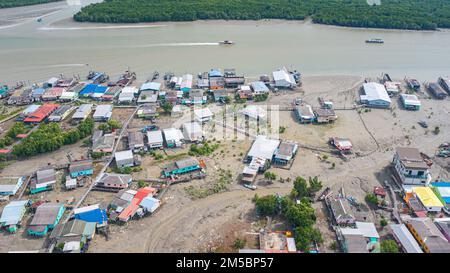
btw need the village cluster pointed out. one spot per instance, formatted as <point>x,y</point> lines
<point>70,225</point>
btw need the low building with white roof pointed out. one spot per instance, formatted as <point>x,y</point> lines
<point>410,102</point>
<point>192,131</point>
<point>375,95</point>
<point>263,148</point>
<point>124,159</point>
<point>283,79</point>
<point>173,137</point>
<point>203,115</point>
<point>154,139</point>
<point>103,112</point>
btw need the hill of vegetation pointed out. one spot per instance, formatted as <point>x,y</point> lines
<point>18,3</point>
<point>395,14</point>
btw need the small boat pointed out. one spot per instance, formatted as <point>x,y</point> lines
<point>375,41</point>
<point>226,42</point>
<point>39,20</point>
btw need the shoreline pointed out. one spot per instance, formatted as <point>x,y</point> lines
<point>70,23</point>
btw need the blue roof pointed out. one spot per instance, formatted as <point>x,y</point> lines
<point>440,184</point>
<point>93,88</point>
<point>215,73</point>
<point>38,91</point>
<point>151,86</point>
<point>97,215</point>
<point>13,212</point>
<point>149,203</point>
<point>259,86</point>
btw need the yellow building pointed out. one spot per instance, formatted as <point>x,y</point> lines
<point>428,198</point>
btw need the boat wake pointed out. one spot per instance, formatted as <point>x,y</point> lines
<point>176,44</point>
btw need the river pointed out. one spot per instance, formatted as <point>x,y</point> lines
<point>33,51</point>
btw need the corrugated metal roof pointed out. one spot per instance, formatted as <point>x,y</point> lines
<point>13,212</point>
<point>405,237</point>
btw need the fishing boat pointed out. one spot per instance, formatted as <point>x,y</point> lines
<point>375,41</point>
<point>226,42</point>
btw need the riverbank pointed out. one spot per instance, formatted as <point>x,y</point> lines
<point>11,17</point>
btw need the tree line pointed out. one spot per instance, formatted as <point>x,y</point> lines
<point>392,14</point>
<point>50,137</point>
<point>18,3</point>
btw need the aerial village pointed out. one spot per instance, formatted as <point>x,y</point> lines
<point>83,159</point>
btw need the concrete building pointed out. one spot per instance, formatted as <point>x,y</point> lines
<point>285,152</point>
<point>124,159</point>
<point>203,115</point>
<point>154,139</point>
<point>428,199</point>
<point>103,112</point>
<point>192,131</point>
<point>263,148</point>
<point>411,167</point>
<point>173,137</point>
<point>136,141</point>
<point>375,95</point>
<point>254,112</point>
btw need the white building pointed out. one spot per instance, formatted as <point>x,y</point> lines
<point>411,167</point>
<point>410,102</point>
<point>173,137</point>
<point>103,112</point>
<point>203,115</point>
<point>264,148</point>
<point>124,159</point>
<point>255,112</point>
<point>155,139</point>
<point>192,131</point>
<point>375,95</point>
<point>82,112</point>
<point>283,79</point>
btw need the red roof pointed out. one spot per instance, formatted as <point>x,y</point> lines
<point>379,191</point>
<point>129,211</point>
<point>142,193</point>
<point>5,151</point>
<point>21,135</point>
<point>40,114</point>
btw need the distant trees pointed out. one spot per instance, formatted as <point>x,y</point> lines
<point>302,189</point>
<point>18,3</point>
<point>392,14</point>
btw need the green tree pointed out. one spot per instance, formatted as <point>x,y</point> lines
<point>315,185</point>
<point>306,236</point>
<point>267,205</point>
<point>389,246</point>
<point>167,107</point>
<point>301,187</point>
<point>371,199</point>
<point>270,176</point>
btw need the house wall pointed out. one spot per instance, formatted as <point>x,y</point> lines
<point>82,173</point>
<point>411,176</point>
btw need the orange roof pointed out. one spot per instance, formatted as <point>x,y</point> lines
<point>144,192</point>
<point>128,211</point>
<point>41,113</point>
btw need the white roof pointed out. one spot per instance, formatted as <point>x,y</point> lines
<point>130,89</point>
<point>67,95</point>
<point>52,80</point>
<point>126,96</point>
<point>83,111</point>
<point>367,229</point>
<point>283,75</point>
<point>410,99</point>
<point>375,91</point>
<point>103,110</point>
<point>245,88</point>
<point>123,155</point>
<point>254,111</point>
<point>405,237</point>
<point>291,244</point>
<point>151,86</point>
<point>86,209</point>
<point>192,130</point>
<point>173,134</point>
<point>72,246</point>
<point>203,113</point>
<point>13,212</point>
<point>154,137</point>
<point>264,147</point>
<point>391,86</point>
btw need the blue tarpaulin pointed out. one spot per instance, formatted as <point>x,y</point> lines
<point>93,89</point>
<point>98,215</point>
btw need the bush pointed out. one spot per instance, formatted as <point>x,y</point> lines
<point>239,243</point>
<point>389,246</point>
<point>371,199</point>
